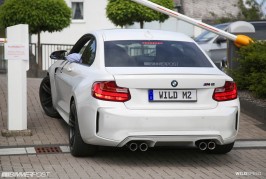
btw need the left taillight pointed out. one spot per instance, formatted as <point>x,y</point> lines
<point>109,91</point>
<point>226,93</point>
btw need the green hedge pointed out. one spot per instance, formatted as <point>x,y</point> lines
<point>251,72</point>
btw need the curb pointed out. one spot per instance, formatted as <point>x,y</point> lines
<point>254,110</point>
<point>13,133</point>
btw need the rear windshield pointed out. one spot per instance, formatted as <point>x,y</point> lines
<point>206,36</point>
<point>153,54</point>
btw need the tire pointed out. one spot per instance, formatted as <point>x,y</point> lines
<point>78,147</point>
<point>222,149</point>
<point>45,95</point>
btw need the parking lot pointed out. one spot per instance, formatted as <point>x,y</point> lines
<point>247,160</point>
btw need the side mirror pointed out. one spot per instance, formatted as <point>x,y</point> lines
<point>58,55</point>
<point>220,40</point>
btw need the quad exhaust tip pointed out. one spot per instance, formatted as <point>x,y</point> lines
<point>211,145</point>
<point>143,147</point>
<point>203,146</point>
<point>207,145</point>
<point>133,146</point>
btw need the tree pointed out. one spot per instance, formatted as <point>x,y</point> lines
<point>251,10</point>
<point>40,15</point>
<point>262,7</point>
<point>126,12</point>
<point>248,11</point>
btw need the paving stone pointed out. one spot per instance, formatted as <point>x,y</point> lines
<point>117,164</point>
<point>38,122</point>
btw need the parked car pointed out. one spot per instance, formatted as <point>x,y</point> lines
<point>215,46</point>
<point>140,89</point>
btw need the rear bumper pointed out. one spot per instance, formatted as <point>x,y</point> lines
<point>118,126</point>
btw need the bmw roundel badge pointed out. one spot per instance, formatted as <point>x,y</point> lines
<point>174,83</point>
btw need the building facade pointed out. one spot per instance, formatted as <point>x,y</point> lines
<point>208,10</point>
<point>89,15</point>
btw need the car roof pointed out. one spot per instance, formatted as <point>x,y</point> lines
<point>141,34</point>
<point>252,22</point>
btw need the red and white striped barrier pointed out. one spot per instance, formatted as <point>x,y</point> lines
<point>2,40</point>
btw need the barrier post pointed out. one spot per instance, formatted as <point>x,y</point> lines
<point>17,54</point>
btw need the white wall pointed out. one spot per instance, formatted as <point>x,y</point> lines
<point>94,18</point>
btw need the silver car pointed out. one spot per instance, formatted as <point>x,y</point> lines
<point>215,46</point>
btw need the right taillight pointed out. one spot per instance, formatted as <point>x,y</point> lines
<point>225,93</point>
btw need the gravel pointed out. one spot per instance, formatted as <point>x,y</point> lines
<point>248,96</point>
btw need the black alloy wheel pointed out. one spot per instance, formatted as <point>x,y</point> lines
<point>45,95</point>
<point>78,147</point>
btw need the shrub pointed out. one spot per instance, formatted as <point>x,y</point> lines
<point>125,12</point>
<point>40,15</point>
<point>251,72</point>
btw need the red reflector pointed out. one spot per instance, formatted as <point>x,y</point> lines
<point>109,91</point>
<point>225,93</point>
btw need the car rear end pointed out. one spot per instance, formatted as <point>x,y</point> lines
<point>163,92</point>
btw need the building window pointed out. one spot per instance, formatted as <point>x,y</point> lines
<point>77,10</point>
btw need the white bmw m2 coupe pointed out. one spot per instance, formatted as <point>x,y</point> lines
<point>141,89</point>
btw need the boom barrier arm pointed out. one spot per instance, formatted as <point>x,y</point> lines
<point>2,40</point>
<point>239,40</point>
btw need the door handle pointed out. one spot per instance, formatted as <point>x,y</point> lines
<point>61,71</point>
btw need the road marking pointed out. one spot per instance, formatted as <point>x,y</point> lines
<point>240,144</point>
<point>30,150</point>
<point>65,149</point>
<point>27,150</point>
<point>250,144</point>
<point>12,151</point>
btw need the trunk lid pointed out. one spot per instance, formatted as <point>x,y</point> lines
<point>144,83</point>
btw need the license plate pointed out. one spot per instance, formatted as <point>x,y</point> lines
<point>172,95</point>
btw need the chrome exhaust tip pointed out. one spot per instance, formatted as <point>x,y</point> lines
<point>203,146</point>
<point>211,145</point>
<point>133,146</point>
<point>143,147</point>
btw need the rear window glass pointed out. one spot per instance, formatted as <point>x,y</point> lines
<point>153,54</point>
<point>206,35</point>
